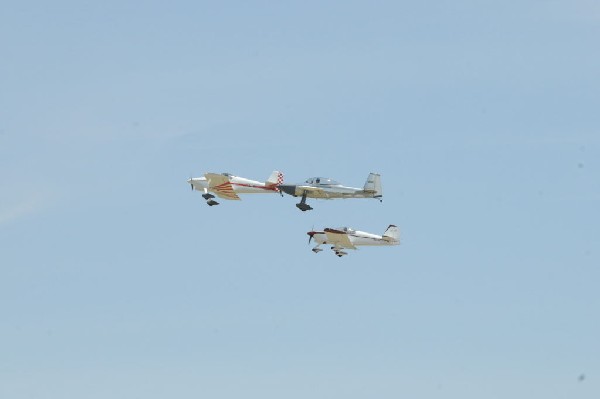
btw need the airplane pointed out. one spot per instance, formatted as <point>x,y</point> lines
<point>228,186</point>
<point>325,188</point>
<point>346,237</point>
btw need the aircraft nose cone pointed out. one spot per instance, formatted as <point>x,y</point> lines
<point>190,181</point>
<point>288,189</point>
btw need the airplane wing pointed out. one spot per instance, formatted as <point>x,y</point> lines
<point>221,186</point>
<point>311,189</point>
<point>339,238</point>
<point>314,192</point>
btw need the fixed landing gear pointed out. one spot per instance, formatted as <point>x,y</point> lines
<point>209,199</point>
<point>338,251</point>
<point>302,205</point>
<point>317,250</point>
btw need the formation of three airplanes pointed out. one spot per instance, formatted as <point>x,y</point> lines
<point>228,186</point>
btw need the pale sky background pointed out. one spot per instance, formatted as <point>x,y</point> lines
<point>483,118</point>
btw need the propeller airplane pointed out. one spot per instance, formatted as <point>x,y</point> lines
<point>348,238</point>
<point>228,186</point>
<point>325,188</point>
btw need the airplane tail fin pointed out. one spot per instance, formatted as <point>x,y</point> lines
<point>275,179</point>
<point>373,185</point>
<point>392,234</point>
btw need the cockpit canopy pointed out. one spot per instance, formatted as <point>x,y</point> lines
<point>322,181</point>
<point>346,229</point>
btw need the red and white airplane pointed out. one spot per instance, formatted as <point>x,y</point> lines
<point>346,237</point>
<point>228,186</point>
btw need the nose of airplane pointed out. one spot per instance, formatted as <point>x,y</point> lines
<point>288,189</point>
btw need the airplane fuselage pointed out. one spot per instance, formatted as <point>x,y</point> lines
<point>344,238</point>
<point>358,238</point>
<point>326,188</point>
<point>325,191</point>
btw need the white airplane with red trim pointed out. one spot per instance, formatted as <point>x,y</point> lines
<point>228,186</point>
<point>347,238</point>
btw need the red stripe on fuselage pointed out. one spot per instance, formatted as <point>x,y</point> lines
<point>268,188</point>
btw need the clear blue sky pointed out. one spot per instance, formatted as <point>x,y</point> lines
<point>481,116</point>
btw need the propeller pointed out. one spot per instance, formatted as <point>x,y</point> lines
<point>311,233</point>
<point>191,185</point>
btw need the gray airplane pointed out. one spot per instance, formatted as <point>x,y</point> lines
<point>325,188</point>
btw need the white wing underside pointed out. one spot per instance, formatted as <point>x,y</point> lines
<point>318,192</point>
<point>221,186</point>
<point>340,240</point>
<point>334,192</point>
